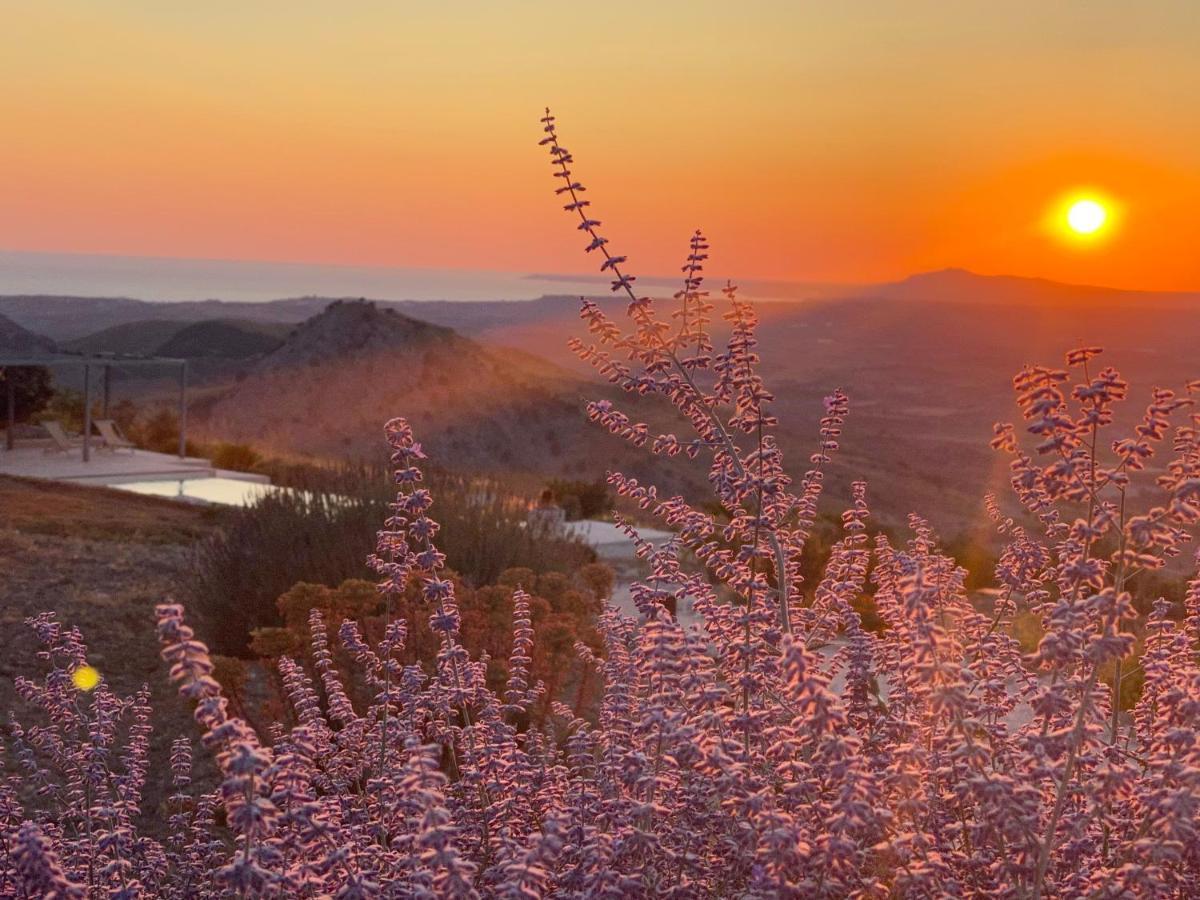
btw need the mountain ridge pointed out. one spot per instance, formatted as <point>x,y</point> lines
<point>1003,288</point>
<point>70,317</point>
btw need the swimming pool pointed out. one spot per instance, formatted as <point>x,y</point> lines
<point>226,491</point>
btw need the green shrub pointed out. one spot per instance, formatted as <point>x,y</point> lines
<point>65,406</point>
<point>160,433</point>
<point>237,457</point>
<point>322,533</point>
<point>581,499</point>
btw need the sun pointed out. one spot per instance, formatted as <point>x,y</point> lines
<point>1086,216</point>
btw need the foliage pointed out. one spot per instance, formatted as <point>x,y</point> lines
<point>33,387</point>
<point>236,457</point>
<point>725,760</point>
<point>322,533</point>
<point>975,552</point>
<point>66,406</point>
<point>581,499</point>
<point>125,413</point>
<point>158,432</point>
<point>563,611</point>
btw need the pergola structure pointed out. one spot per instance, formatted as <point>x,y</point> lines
<point>105,363</point>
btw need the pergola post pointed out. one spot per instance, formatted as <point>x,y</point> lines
<point>11,382</point>
<point>107,389</point>
<point>183,409</point>
<point>87,413</point>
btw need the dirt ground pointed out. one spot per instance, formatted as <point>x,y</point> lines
<point>100,560</point>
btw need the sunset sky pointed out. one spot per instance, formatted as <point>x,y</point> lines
<point>851,141</point>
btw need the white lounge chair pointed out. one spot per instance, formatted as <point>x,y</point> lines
<point>61,442</point>
<point>112,437</point>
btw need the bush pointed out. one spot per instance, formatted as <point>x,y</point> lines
<point>65,406</point>
<point>125,413</point>
<point>160,433</point>
<point>236,457</point>
<point>563,611</point>
<point>581,499</point>
<point>323,533</point>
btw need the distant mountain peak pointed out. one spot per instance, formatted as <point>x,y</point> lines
<point>963,285</point>
<point>348,328</point>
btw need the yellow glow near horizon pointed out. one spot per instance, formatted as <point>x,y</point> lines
<point>85,678</point>
<point>1086,216</point>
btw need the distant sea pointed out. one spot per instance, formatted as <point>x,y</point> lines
<point>176,280</point>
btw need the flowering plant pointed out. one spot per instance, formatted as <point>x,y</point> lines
<point>776,749</point>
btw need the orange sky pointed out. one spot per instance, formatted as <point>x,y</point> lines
<point>855,141</point>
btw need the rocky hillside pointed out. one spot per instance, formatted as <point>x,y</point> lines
<point>329,389</point>
<point>347,328</point>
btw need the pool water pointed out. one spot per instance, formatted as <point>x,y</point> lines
<point>226,491</point>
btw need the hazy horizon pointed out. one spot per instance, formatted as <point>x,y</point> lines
<point>176,280</point>
<point>183,280</point>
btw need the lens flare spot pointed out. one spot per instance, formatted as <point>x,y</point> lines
<point>85,678</point>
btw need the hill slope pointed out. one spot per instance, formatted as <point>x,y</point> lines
<point>141,338</point>
<point>71,318</point>
<point>224,338</point>
<point>14,338</point>
<point>329,389</point>
<point>927,363</point>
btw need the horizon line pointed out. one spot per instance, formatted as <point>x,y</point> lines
<point>535,275</point>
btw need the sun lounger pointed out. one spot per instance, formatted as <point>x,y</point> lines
<point>112,437</point>
<point>61,442</point>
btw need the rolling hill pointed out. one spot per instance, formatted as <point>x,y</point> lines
<point>140,338</point>
<point>71,318</point>
<point>327,391</point>
<point>222,338</point>
<point>65,318</point>
<point>927,362</point>
<point>16,339</point>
